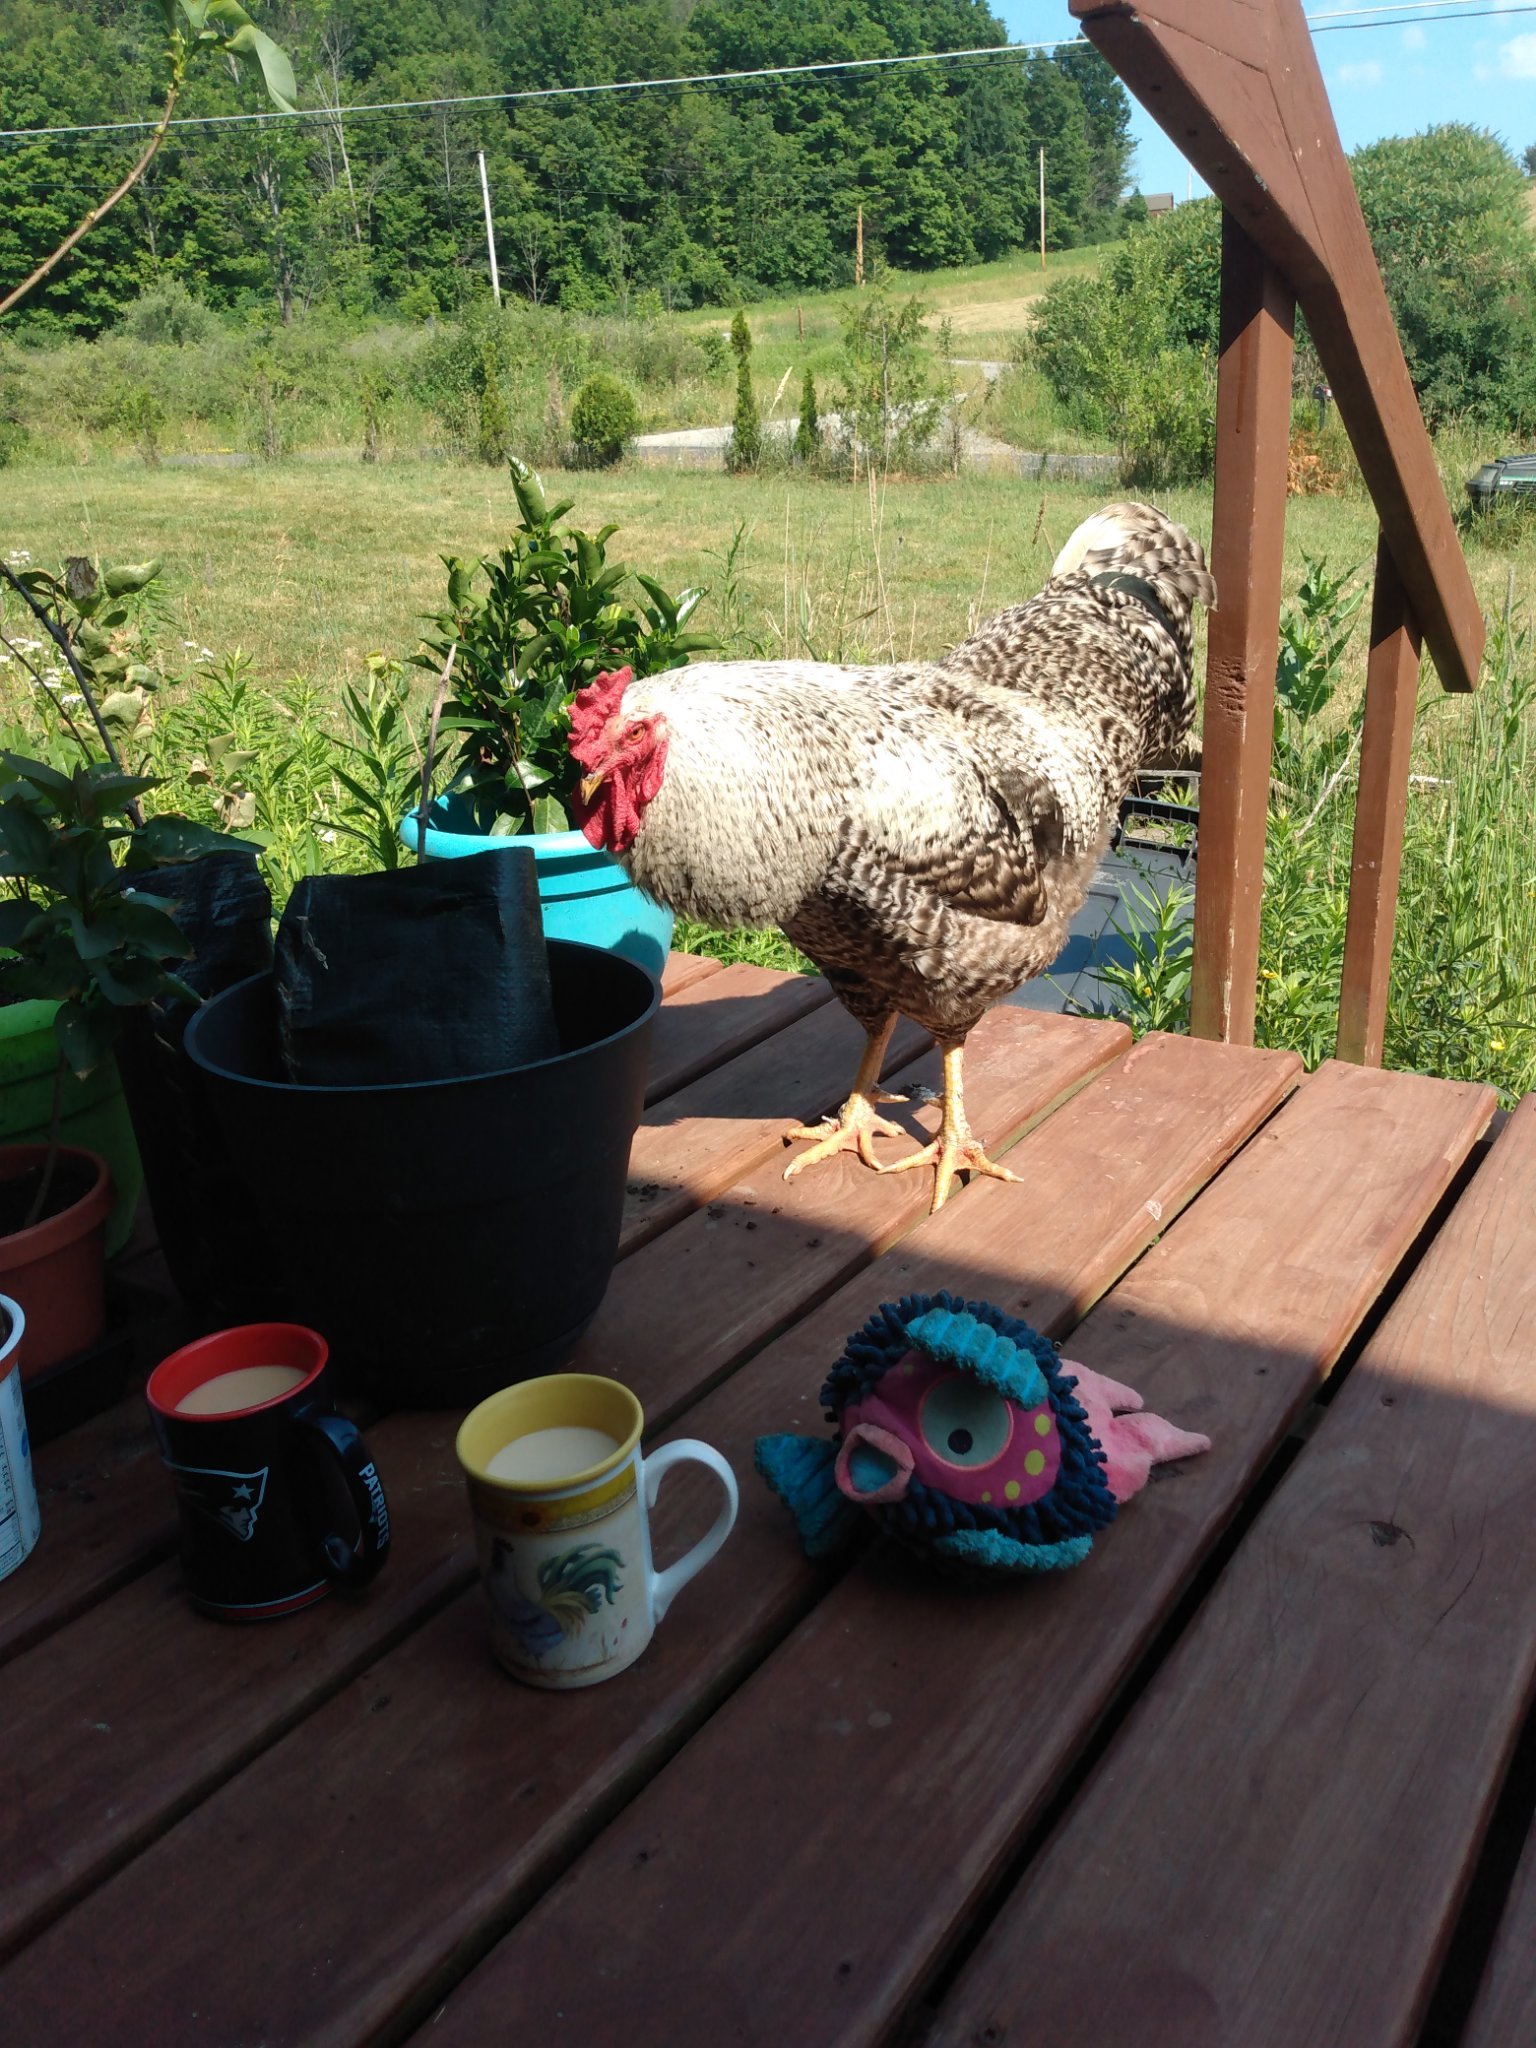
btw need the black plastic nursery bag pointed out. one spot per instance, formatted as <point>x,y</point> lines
<point>427,973</point>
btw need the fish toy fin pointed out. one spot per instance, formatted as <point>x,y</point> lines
<point>1132,1439</point>
<point>800,1470</point>
<point>993,1551</point>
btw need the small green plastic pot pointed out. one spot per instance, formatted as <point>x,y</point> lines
<point>94,1116</point>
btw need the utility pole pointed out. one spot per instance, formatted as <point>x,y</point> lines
<point>1042,206</point>
<point>858,250</point>
<point>490,232</point>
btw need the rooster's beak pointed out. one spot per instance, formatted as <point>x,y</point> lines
<point>590,785</point>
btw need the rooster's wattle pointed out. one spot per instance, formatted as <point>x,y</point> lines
<point>924,832</point>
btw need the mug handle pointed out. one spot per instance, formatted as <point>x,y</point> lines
<point>665,1586</point>
<point>343,1564</point>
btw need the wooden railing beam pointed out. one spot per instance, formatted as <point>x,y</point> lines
<point>1237,87</point>
<point>1381,807</point>
<point>1253,421</point>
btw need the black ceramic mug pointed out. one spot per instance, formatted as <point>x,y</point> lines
<point>278,1496</point>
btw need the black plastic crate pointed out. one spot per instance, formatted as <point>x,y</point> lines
<point>1151,854</point>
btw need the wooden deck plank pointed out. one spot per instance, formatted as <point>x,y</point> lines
<point>700,1140</point>
<point>1505,2009</point>
<point>460,1793</point>
<point>107,1514</point>
<point>756,1258</point>
<point>811,1855</point>
<point>713,1019</point>
<point>683,970</point>
<point>106,1517</point>
<point>1327,1743</point>
<point>196,1699</point>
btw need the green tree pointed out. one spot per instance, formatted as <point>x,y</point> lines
<point>746,446</point>
<point>1107,122</point>
<point>187,28</point>
<point>1447,211</point>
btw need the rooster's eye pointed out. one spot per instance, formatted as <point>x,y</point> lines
<point>964,1422</point>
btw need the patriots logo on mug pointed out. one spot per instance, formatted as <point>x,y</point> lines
<point>229,1498</point>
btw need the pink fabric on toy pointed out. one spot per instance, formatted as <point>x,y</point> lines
<point>1132,1441</point>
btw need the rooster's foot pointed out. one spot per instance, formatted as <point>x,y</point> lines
<point>853,1131</point>
<point>949,1154</point>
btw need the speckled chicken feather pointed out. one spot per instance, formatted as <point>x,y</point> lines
<point>925,832</point>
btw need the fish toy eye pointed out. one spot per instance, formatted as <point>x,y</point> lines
<point>964,1422</point>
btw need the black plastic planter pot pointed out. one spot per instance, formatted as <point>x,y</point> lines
<point>446,1237</point>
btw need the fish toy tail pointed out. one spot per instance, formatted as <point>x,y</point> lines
<point>800,1470</point>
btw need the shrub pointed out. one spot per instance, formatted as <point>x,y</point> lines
<point>1130,354</point>
<point>603,418</point>
<point>495,427</point>
<point>887,406</point>
<point>808,432</point>
<point>169,316</point>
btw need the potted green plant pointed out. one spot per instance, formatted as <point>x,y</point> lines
<point>78,933</point>
<point>76,929</point>
<point>551,618</point>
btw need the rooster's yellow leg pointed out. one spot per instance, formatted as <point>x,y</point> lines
<point>859,1122</point>
<point>954,1150</point>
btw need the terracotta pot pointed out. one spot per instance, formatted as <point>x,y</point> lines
<point>57,1269</point>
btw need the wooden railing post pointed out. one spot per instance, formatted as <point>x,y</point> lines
<point>1386,741</point>
<point>1253,427</point>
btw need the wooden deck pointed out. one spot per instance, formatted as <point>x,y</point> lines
<point>1229,1784</point>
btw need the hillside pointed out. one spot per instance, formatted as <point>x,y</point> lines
<point>687,196</point>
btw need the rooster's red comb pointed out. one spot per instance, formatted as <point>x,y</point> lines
<point>593,708</point>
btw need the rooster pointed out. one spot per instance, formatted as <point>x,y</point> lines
<point>924,832</point>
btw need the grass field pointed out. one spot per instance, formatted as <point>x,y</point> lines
<point>310,566</point>
<point>986,304</point>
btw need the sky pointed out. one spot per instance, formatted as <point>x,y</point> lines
<point>1407,67</point>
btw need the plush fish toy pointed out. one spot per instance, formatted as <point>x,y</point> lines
<point>962,1432</point>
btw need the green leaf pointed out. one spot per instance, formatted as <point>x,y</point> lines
<point>24,836</point>
<point>41,776</point>
<point>549,815</point>
<point>127,982</point>
<point>589,555</point>
<point>131,576</point>
<point>17,917</point>
<point>85,1032</point>
<point>146,923</point>
<point>114,791</point>
<point>659,597</point>
<point>166,839</point>
<point>529,491</point>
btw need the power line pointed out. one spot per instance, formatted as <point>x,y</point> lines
<point>1431,11</point>
<point>1397,7</point>
<point>1403,13</point>
<point>552,92</point>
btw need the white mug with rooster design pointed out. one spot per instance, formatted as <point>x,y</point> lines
<point>565,1557</point>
